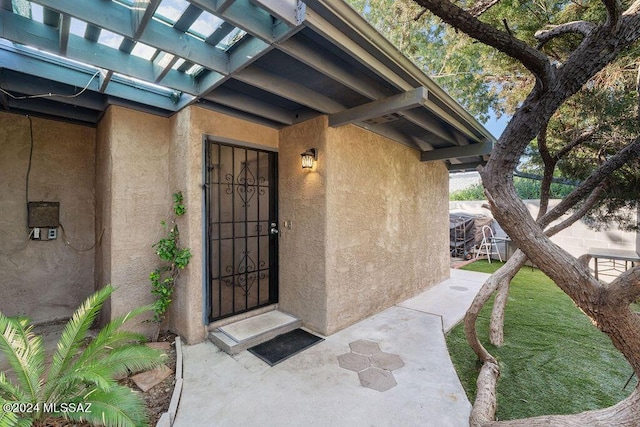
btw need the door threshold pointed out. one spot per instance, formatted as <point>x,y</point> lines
<point>241,335</point>
<point>238,317</point>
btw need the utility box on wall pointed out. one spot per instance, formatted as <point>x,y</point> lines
<point>44,214</point>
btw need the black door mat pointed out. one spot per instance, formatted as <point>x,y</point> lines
<point>284,346</point>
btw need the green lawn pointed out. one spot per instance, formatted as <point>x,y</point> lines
<point>553,361</point>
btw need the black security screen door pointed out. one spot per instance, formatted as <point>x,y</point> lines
<point>242,244</point>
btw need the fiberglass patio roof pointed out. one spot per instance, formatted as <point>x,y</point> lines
<point>274,62</point>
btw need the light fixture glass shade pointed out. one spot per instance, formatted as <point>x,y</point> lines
<point>308,157</point>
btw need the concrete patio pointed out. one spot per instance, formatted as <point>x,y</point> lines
<point>314,389</point>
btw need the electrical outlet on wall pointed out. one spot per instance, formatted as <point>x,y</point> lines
<point>53,234</point>
<point>35,234</point>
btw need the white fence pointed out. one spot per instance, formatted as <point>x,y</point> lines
<point>576,239</point>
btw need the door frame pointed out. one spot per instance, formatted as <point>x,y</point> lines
<point>206,206</point>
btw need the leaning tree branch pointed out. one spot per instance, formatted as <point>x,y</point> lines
<point>549,167</point>
<point>614,10</point>
<point>621,414</point>
<point>580,27</point>
<point>578,213</point>
<point>583,137</point>
<point>555,180</point>
<point>625,289</point>
<point>532,59</point>
<point>481,7</point>
<point>615,162</point>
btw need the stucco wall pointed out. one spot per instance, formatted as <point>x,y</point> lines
<point>46,280</point>
<point>387,215</point>
<point>302,200</point>
<point>368,224</point>
<point>142,160</point>
<point>103,210</point>
<point>185,174</point>
<point>134,197</point>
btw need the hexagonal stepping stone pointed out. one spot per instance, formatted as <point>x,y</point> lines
<point>386,361</point>
<point>354,362</point>
<point>377,379</point>
<point>365,347</point>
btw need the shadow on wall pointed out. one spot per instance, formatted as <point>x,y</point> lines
<point>46,253</point>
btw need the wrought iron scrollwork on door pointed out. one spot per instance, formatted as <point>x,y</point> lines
<point>246,184</point>
<point>246,273</point>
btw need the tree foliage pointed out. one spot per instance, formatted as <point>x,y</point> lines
<point>595,122</point>
<point>581,123</point>
<point>527,189</point>
<point>449,57</point>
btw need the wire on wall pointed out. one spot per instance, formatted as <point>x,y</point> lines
<point>50,95</point>
<point>30,160</point>
<point>22,245</point>
<point>66,240</point>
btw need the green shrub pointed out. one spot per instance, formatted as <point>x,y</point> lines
<point>174,259</point>
<point>527,189</point>
<point>81,373</point>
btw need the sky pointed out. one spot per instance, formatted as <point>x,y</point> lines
<point>496,126</point>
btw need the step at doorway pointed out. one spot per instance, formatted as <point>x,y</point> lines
<point>243,334</point>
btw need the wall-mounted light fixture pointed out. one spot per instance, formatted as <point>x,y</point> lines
<point>308,157</point>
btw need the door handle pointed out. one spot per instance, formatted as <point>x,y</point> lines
<point>274,231</point>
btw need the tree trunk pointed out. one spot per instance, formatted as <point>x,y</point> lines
<point>496,325</point>
<point>484,407</point>
<point>608,307</point>
<point>625,414</point>
<point>506,272</point>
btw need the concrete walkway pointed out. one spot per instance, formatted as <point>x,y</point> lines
<point>312,389</point>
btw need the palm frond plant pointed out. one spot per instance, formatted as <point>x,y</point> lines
<point>79,384</point>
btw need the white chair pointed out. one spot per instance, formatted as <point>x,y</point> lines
<point>488,244</point>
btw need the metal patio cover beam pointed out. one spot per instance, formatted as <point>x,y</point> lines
<point>118,19</point>
<point>49,107</point>
<point>143,11</point>
<point>31,86</point>
<point>461,167</point>
<point>358,82</point>
<point>13,59</point>
<point>138,25</point>
<point>31,33</point>
<point>402,101</point>
<point>251,105</point>
<point>463,151</point>
<point>246,15</point>
<point>289,90</point>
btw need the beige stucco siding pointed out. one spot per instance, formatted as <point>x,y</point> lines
<point>46,280</point>
<point>143,160</point>
<point>369,224</point>
<point>302,200</point>
<point>386,224</point>
<point>134,197</point>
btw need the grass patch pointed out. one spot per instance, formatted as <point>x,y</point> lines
<point>553,361</point>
